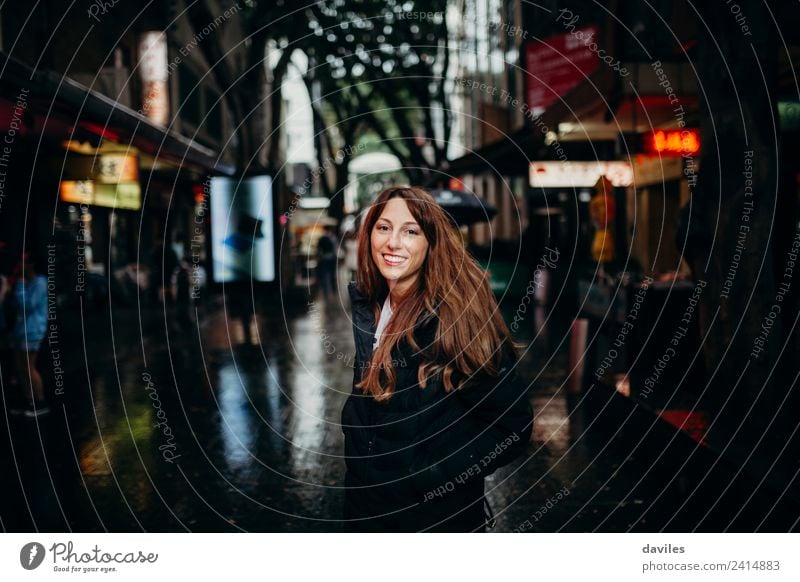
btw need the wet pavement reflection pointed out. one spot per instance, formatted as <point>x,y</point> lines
<point>185,426</point>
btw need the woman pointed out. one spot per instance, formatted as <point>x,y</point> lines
<point>437,405</point>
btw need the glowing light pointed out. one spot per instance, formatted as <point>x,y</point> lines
<point>677,142</point>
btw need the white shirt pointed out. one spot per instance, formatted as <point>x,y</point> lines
<point>383,321</point>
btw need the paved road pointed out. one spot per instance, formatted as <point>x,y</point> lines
<point>168,427</point>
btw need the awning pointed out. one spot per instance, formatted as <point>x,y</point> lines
<point>509,156</point>
<point>65,103</point>
<point>596,111</point>
<point>512,155</point>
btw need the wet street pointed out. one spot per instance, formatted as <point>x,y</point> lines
<point>165,424</point>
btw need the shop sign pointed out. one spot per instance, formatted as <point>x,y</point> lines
<point>673,142</point>
<point>116,168</point>
<point>104,168</point>
<point>77,191</point>
<point>124,196</point>
<point>579,174</point>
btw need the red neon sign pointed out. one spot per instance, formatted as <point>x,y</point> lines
<point>678,142</point>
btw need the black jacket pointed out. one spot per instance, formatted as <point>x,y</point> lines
<point>418,461</point>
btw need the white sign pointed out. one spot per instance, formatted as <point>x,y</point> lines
<point>153,56</point>
<point>153,71</point>
<point>203,556</point>
<point>579,174</point>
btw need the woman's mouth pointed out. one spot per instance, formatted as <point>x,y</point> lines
<point>393,260</point>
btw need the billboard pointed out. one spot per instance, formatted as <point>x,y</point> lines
<point>242,236</point>
<point>557,64</point>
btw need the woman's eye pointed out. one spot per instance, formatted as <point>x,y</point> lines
<point>412,231</point>
<point>382,228</point>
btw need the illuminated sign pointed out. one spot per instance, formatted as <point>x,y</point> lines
<point>116,168</point>
<point>124,196</point>
<point>77,191</point>
<point>677,142</point>
<point>103,168</point>
<point>242,237</point>
<point>579,174</point>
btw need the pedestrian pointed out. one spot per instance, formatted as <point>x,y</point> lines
<point>6,318</point>
<point>164,262</point>
<point>327,247</point>
<point>241,306</point>
<point>183,294</point>
<point>437,404</point>
<point>351,253</point>
<point>30,326</point>
<point>199,279</point>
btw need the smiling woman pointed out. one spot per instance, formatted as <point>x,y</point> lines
<point>437,404</point>
<point>398,247</point>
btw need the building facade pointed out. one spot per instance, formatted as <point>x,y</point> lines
<point>119,127</point>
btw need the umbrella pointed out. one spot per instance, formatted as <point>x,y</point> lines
<point>464,207</point>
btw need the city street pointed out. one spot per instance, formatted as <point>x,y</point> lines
<point>167,426</point>
<point>429,266</point>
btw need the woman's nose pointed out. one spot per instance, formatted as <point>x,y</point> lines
<point>394,240</point>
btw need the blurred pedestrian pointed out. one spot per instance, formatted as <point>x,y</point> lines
<point>183,293</point>
<point>30,327</point>
<point>241,305</point>
<point>437,404</point>
<point>327,248</point>
<point>163,261</point>
<point>199,281</point>
<point>6,319</point>
<point>351,253</point>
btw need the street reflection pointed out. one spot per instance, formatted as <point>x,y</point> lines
<point>258,445</point>
<point>236,417</point>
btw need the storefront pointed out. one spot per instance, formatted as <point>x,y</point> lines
<point>97,182</point>
<point>653,205</point>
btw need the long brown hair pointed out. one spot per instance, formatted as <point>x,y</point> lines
<point>471,335</point>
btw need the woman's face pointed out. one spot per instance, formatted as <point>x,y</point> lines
<point>399,247</point>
